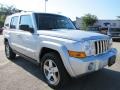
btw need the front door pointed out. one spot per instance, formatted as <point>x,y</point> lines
<point>28,39</point>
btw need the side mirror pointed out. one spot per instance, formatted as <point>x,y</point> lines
<point>26,28</point>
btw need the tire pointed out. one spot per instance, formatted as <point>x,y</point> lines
<point>53,70</point>
<point>9,52</point>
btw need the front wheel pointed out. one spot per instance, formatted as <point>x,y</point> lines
<point>53,70</point>
<point>8,51</point>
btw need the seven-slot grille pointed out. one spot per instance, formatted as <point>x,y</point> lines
<point>101,46</point>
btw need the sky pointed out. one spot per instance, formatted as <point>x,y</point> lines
<point>103,9</point>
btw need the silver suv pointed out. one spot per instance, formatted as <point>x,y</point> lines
<point>52,41</point>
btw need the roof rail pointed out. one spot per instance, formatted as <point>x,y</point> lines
<point>26,11</point>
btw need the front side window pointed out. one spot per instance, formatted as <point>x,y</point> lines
<point>48,22</point>
<point>14,21</point>
<point>26,20</point>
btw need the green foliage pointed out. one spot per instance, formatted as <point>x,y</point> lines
<point>89,20</point>
<point>1,24</point>
<point>2,19</point>
<point>6,10</point>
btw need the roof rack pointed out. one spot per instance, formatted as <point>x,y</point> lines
<point>26,11</point>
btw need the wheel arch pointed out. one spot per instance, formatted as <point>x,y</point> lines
<point>5,40</point>
<point>45,50</point>
<point>61,50</point>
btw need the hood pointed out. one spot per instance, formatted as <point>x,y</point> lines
<point>76,35</point>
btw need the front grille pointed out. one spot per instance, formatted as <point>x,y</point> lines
<point>101,46</point>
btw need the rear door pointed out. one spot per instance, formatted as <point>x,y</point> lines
<point>13,33</point>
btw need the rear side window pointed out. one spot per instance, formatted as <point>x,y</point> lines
<point>26,20</point>
<point>14,21</point>
<point>7,22</point>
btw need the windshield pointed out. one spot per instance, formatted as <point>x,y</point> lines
<point>49,21</point>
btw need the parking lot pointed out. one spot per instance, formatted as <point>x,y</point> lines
<point>21,74</point>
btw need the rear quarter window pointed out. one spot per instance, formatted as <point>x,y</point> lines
<point>7,22</point>
<point>14,22</point>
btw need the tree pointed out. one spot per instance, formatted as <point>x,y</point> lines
<point>5,11</point>
<point>8,10</point>
<point>2,18</point>
<point>89,20</point>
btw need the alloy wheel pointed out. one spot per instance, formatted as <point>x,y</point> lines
<point>51,72</point>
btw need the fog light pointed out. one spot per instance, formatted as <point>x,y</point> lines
<point>91,66</point>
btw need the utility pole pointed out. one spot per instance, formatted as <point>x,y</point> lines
<point>45,4</point>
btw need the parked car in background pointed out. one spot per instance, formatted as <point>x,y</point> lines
<point>93,29</point>
<point>115,33</point>
<point>104,31</point>
<point>101,30</point>
<point>98,30</point>
<point>1,30</point>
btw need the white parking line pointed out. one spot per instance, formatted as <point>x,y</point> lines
<point>4,63</point>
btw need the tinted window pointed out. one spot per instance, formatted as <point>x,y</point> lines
<point>48,22</point>
<point>26,20</point>
<point>14,21</point>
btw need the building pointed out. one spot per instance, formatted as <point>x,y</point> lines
<point>99,23</point>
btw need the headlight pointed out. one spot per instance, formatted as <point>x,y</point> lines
<point>82,49</point>
<point>86,45</point>
<point>88,48</point>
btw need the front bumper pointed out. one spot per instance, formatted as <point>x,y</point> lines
<point>92,63</point>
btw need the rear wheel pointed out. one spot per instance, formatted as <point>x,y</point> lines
<point>9,52</point>
<point>53,70</point>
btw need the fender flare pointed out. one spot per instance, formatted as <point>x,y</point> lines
<point>62,50</point>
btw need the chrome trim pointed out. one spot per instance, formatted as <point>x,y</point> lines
<point>101,46</point>
<point>104,46</point>
<point>97,47</point>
